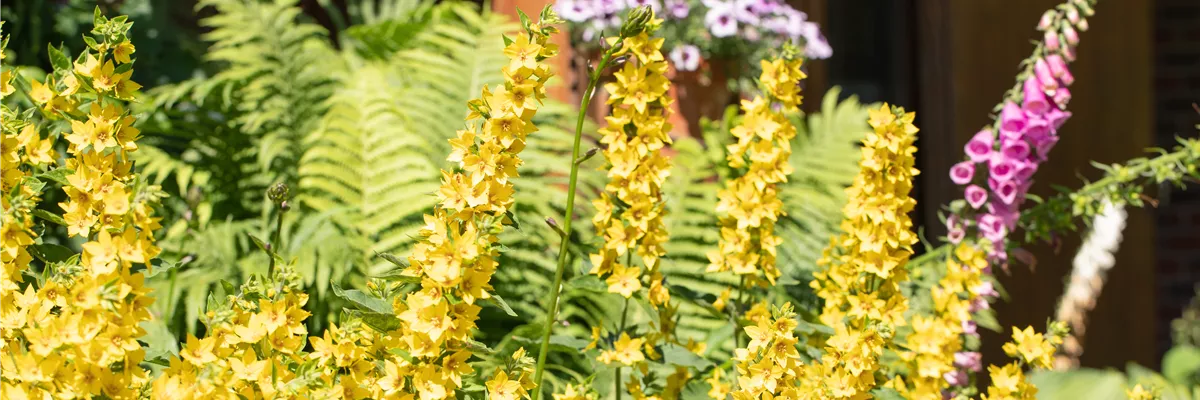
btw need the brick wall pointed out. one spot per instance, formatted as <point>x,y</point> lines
<point>1177,81</point>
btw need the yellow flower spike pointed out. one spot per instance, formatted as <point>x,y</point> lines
<point>749,204</point>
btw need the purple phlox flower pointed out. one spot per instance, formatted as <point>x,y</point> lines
<point>1034,101</point>
<point>796,20</point>
<point>721,21</point>
<point>678,8</point>
<point>686,57</point>
<point>969,360</point>
<point>1012,119</point>
<point>975,195</point>
<point>608,7</point>
<point>815,45</point>
<point>962,172</point>
<point>654,4</point>
<point>979,148</point>
<point>744,11</point>
<point>776,24</point>
<point>575,10</point>
<point>751,34</point>
<point>956,378</point>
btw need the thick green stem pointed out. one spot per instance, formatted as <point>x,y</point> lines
<point>276,242</point>
<point>556,287</point>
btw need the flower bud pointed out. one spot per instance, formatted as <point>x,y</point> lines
<point>1051,41</point>
<point>1070,35</point>
<point>636,21</point>
<point>1046,21</point>
<point>278,193</point>
<point>1072,14</point>
<point>1082,25</point>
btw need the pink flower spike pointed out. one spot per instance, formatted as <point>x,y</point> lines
<point>1034,101</point>
<point>970,328</point>
<point>1042,71</point>
<point>1070,35</point>
<point>1025,170</point>
<point>956,235</point>
<point>1038,129</point>
<point>1067,78</point>
<point>956,378</point>
<point>1003,170</point>
<point>1044,146</point>
<point>979,304</point>
<point>1007,192</point>
<point>1051,40</point>
<point>1068,53</point>
<point>969,360</point>
<point>1056,118</point>
<point>1061,97</point>
<point>979,148</point>
<point>1057,65</point>
<point>962,172</point>
<point>976,196</point>
<point>1015,149</point>
<point>1011,118</point>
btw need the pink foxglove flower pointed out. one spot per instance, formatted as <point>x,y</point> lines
<point>979,148</point>
<point>962,172</point>
<point>976,196</point>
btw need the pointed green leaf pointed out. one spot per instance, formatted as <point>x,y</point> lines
<point>499,302</point>
<point>363,300</point>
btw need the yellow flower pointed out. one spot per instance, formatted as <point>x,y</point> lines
<point>522,53</point>
<point>122,51</point>
<point>1032,347</point>
<point>500,387</point>
<point>1140,393</point>
<point>624,280</point>
<point>626,351</point>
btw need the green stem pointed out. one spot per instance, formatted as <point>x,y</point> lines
<point>276,244</point>
<point>556,287</point>
<point>617,373</point>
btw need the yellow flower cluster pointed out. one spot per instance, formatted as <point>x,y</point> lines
<point>749,205</point>
<point>936,338</point>
<point>76,334</point>
<point>769,366</point>
<point>457,255</point>
<point>1138,392</point>
<point>865,265</point>
<point>1030,349</point>
<point>629,214</point>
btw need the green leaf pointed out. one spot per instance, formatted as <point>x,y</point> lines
<point>1181,363</point>
<point>886,394</point>
<point>161,268</point>
<point>524,18</point>
<point>499,302</point>
<point>588,283</point>
<point>397,261</point>
<point>717,337</point>
<point>49,216</point>
<point>507,40</point>
<point>681,356</point>
<point>378,321</point>
<point>53,252</point>
<point>398,275</point>
<point>98,18</point>
<point>569,342</point>
<point>987,319</point>
<point>363,300</point>
<point>56,175</point>
<point>58,59</point>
